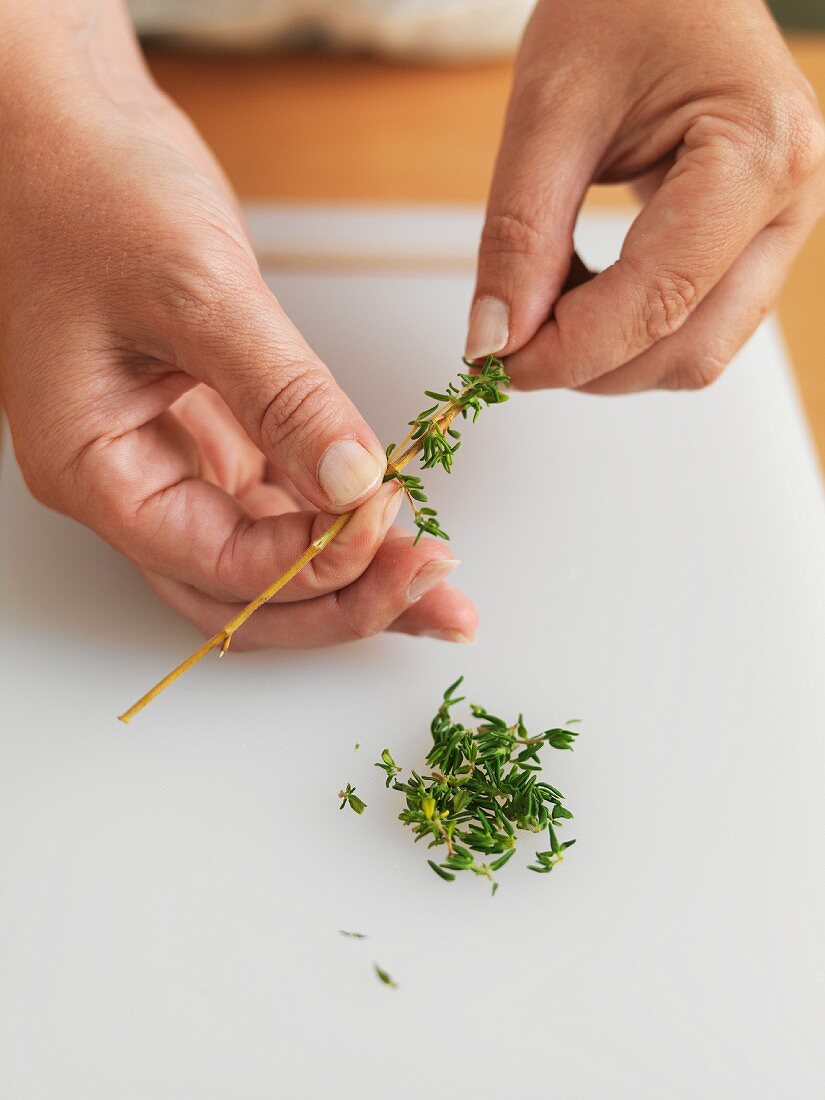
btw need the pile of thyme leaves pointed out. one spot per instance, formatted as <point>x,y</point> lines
<point>483,788</point>
<point>439,440</point>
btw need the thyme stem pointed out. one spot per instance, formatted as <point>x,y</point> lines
<point>427,436</point>
<point>224,635</point>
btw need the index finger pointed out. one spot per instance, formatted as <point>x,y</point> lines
<point>722,190</point>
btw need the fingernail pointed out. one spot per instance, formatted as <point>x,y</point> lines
<point>489,328</point>
<point>447,636</point>
<point>428,576</point>
<point>347,471</point>
<point>390,508</point>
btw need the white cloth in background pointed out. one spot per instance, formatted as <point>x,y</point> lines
<point>435,29</point>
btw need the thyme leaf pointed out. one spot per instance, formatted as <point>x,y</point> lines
<point>384,977</point>
<point>351,799</point>
<point>387,764</point>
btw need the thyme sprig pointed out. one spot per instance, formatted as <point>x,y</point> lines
<point>433,439</point>
<point>483,787</point>
<point>439,441</point>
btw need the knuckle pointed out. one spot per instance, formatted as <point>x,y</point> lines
<point>779,136</point>
<point>135,523</point>
<point>344,562</point>
<point>41,458</point>
<point>192,292</point>
<point>667,304</point>
<point>363,625</point>
<point>303,402</point>
<point>226,562</point>
<point>791,140</point>
<point>41,486</point>
<point>508,234</point>
<point>51,481</point>
<point>360,619</point>
<point>572,374</point>
<point>357,551</point>
<point>808,145</point>
<point>695,374</point>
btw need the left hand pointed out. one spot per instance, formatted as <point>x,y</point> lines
<point>703,108</point>
<point>156,391</point>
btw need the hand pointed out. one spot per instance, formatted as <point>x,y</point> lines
<point>154,388</point>
<point>701,105</point>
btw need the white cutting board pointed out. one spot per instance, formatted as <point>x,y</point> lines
<point>171,892</point>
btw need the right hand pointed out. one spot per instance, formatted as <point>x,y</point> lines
<point>155,390</point>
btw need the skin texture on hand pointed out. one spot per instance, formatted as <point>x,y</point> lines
<point>155,390</point>
<point>700,105</point>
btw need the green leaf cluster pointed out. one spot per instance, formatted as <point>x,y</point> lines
<point>439,441</point>
<point>483,788</point>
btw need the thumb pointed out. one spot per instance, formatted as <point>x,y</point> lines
<point>544,166</point>
<point>285,397</point>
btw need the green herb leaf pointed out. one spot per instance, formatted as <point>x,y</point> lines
<point>350,798</point>
<point>384,977</point>
<point>441,872</point>
<point>387,764</point>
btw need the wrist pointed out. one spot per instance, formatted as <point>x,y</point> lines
<point>63,65</point>
<point>54,53</point>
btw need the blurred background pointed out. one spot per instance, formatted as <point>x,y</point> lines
<point>801,14</point>
<point>402,101</point>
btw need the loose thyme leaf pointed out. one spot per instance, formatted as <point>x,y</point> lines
<point>387,764</point>
<point>352,935</point>
<point>349,797</point>
<point>384,977</point>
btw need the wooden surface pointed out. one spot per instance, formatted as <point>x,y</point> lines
<point>330,129</point>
